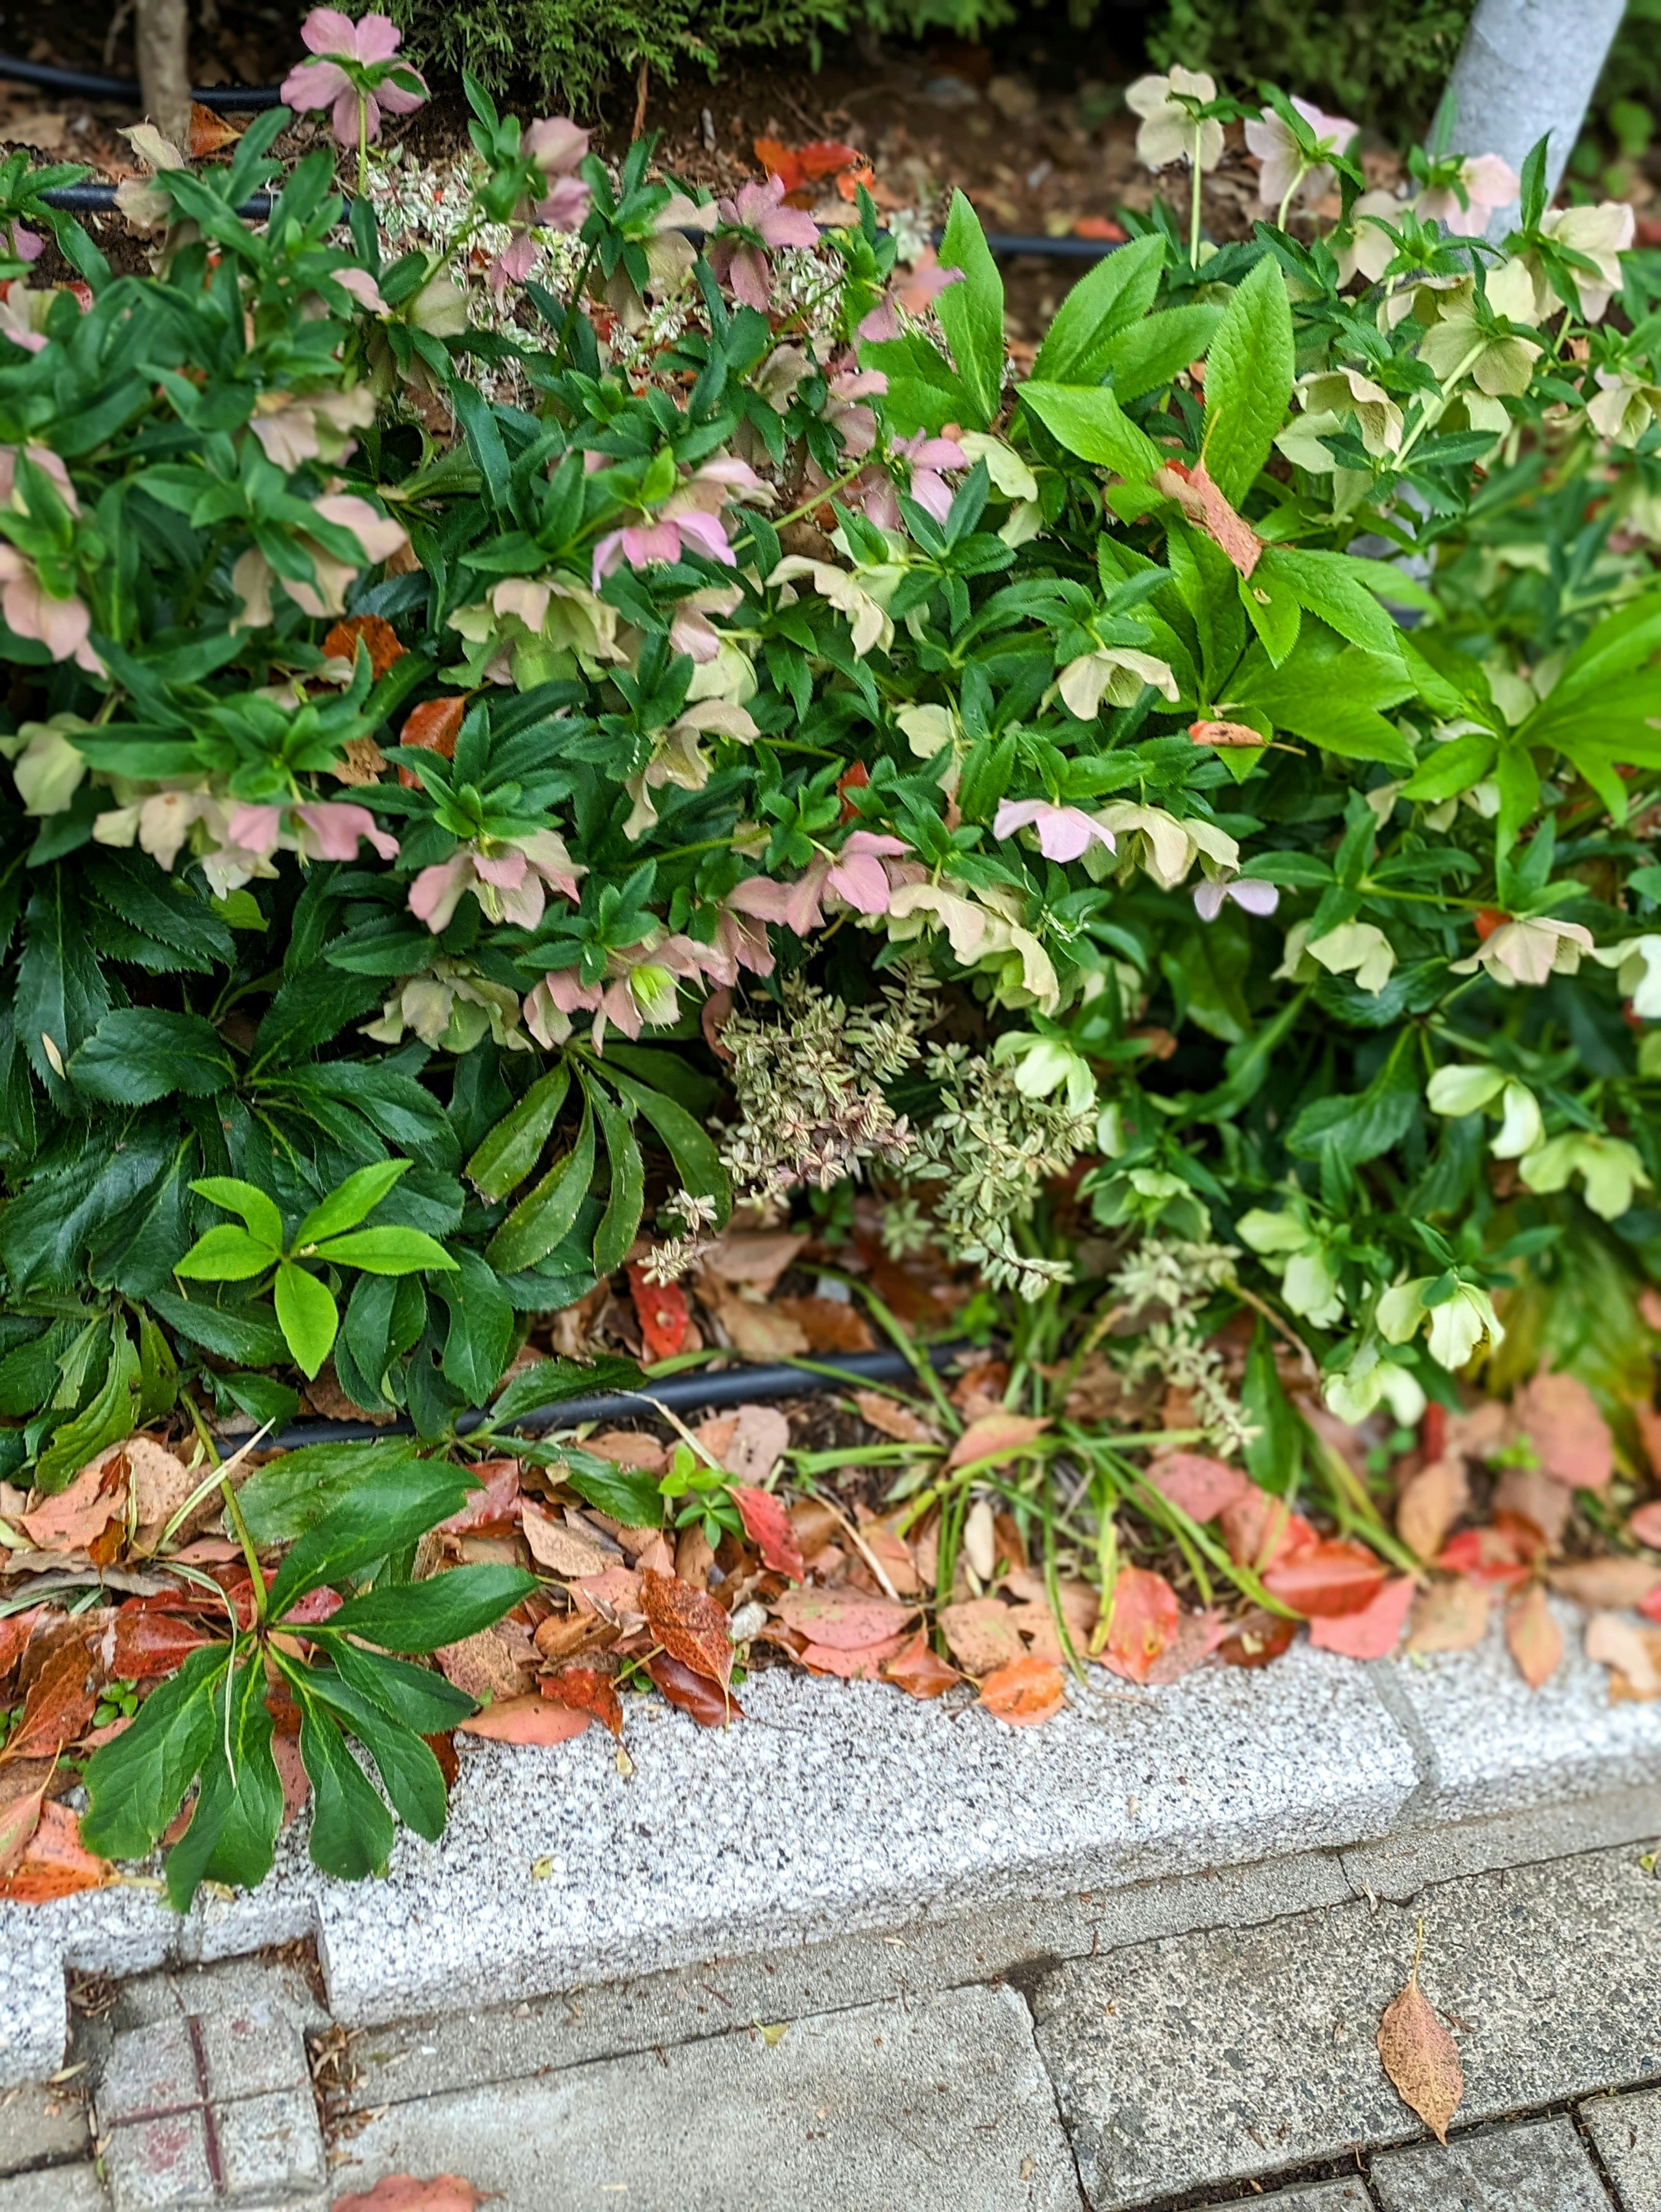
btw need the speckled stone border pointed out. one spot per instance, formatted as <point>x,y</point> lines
<point>836,1808</point>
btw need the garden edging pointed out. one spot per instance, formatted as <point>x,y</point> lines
<point>836,1807</point>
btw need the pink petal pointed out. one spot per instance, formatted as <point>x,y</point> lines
<point>436,891</point>
<point>860,882</point>
<point>1209,900</point>
<point>313,84</point>
<point>556,143</point>
<point>932,493</point>
<point>344,121</point>
<point>1255,896</point>
<point>1015,814</point>
<point>789,227</point>
<point>1064,832</point>
<point>378,39</point>
<point>706,533</point>
<point>750,278</point>
<point>403,99</point>
<point>255,829</point>
<point>566,206</point>
<point>326,31</point>
<point>338,829</point>
<point>644,543</point>
<point>514,262</point>
<point>607,552</point>
<point>506,872</point>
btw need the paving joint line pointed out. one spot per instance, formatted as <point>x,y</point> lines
<point>1045,2069</point>
<point>1399,1708</point>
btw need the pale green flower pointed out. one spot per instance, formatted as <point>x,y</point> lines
<point>1354,948</point>
<point>1610,1170</point>
<point>1637,962</point>
<point>1371,1380</point>
<point>1456,1324</point>
<point>47,768</point>
<point>1457,1090</point>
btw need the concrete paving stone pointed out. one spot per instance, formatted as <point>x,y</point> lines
<point>1400,1865</point>
<point>1626,2132</point>
<point>268,2145</point>
<point>59,2189</point>
<point>942,2106</point>
<point>230,1985</point>
<point>149,2069</point>
<point>1538,2166</point>
<point>425,2056</point>
<point>1495,1746</point>
<point>1234,2052</point>
<point>1347,2196</point>
<point>155,2165</point>
<point>838,1808</point>
<point>252,2052</point>
<point>42,2125</point>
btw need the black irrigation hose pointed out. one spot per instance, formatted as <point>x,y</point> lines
<point>236,99</point>
<point>96,199</point>
<point>679,1393</point>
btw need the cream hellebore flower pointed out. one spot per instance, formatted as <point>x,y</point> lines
<point>1454,346</point>
<point>511,882</point>
<point>1455,1326</point>
<point>1332,400</point>
<point>1371,1380</point>
<point>1528,951</point>
<point>292,430</point>
<point>1610,1169</point>
<point>453,1007</point>
<point>1165,847</point>
<point>1043,1065</point>
<point>977,935</point>
<point>47,768</point>
<point>1282,159</point>
<point>1367,248</point>
<point>1354,948</point>
<point>561,613</point>
<point>1459,1089</point>
<point>1637,963</point>
<point>1114,673</point>
<point>378,539</point>
<point>1488,182</point>
<point>1289,1247</point>
<point>867,616</point>
<point>1599,235</point>
<point>1167,132</point>
<point>1625,406</point>
<point>679,758</point>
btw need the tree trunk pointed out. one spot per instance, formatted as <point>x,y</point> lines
<point>1527,69</point>
<point>164,69</point>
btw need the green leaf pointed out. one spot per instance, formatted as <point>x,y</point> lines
<point>627,1493</point>
<point>410,1774</point>
<point>291,1494</point>
<point>1275,1455</point>
<point>1088,420</point>
<point>225,1253</point>
<point>971,312</point>
<point>345,1207</point>
<point>417,1696</point>
<point>1116,293</point>
<point>136,1784</point>
<point>388,1251</point>
<point>552,1382</point>
<point>1450,769</point>
<point>1249,377</point>
<point>443,1610</point>
<point>104,1421</point>
<point>1330,694</point>
<point>232,1837</point>
<point>688,1143</point>
<point>542,1218</point>
<point>391,1507</point>
<point>352,1832</point>
<point>512,1149</point>
<point>307,1315</point>
<point>1151,353</point>
<point>248,1334</point>
<point>621,1221</point>
<point>1349,1130</point>
<point>137,1053</point>
<point>480,1340</point>
<point>246,1200</point>
<point>1324,584</point>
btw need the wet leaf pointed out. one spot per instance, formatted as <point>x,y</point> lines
<point>918,1669</point>
<point>143,1644</point>
<point>1326,1580</point>
<point>1617,1582</point>
<point>1535,1640</point>
<point>402,2193</point>
<point>530,1719</point>
<point>55,1863</point>
<point>558,1548</point>
<point>660,1309</point>
<point>587,1689</point>
<point>844,1620</point>
<point>1560,1416</point>
<point>1144,1617</point>
<point>767,1524</point>
<point>59,1704</point>
<point>1617,1644</point>
<point>1375,1631</point>
<point>688,1624</point>
<point>693,1693</point>
<point>1026,1692</point>
<point>1451,1616</point>
<point>1421,2059</point>
<point>1256,1639</point>
<point>902,1422</point>
<point>984,1634</point>
<point>1200,1486</point>
<point>993,1438</point>
<point>1431,1502</point>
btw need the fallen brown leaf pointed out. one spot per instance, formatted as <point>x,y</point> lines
<point>1617,1582</point>
<point>1559,1416</point>
<point>829,1324</point>
<point>587,1689</point>
<point>1450,1616</point>
<point>693,1693</point>
<point>1198,1635</point>
<point>488,1665</point>
<point>1530,1491</point>
<point>161,1484</point>
<point>77,1517</point>
<point>918,1669</point>
<point>754,1330</point>
<point>1430,1502</point>
<point>59,1703</point>
<point>688,1624</point>
<point>994,1437</point>
<point>1535,1640</point>
<point>761,1436</point>
<point>862,1662</point>
<point>19,1810</point>
<point>893,1555</point>
<point>1257,1639</point>
<point>845,1621</point>
<point>529,1719</point>
<point>558,1548</point>
<point>755,1258</point>
<point>1024,1692</point>
<point>1200,1486</point>
<point>1646,1524</point>
<point>895,1420</point>
<point>54,1862</point>
<point>1628,1650</point>
<point>629,1448</point>
<point>492,1505</point>
<point>1422,2058</point>
<point>402,2193</point>
<point>984,1634</point>
<point>1375,1631</point>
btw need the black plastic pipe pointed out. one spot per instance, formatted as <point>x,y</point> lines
<point>236,99</point>
<point>680,1394</point>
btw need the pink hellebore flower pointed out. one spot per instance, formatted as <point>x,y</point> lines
<point>511,885</point>
<point>847,389</point>
<point>1489,182</point>
<point>763,223</point>
<point>857,875</point>
<point>639,989</point>
<point>1269,137</point>
<point>321,830</point>
<point>62,625</point>
<point>26,244</point>
<point>555,146</point>
<point>915,291</point>
<point>928,457</point>
<point>1064,832</point>
<point>1246,892</point>
<point>689,516</point>
<point>349,72</point>
<point>860,875</point>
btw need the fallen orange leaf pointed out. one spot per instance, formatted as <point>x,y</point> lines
<point>1451,1616</point>
<point>994,1437</point>
<point>587,1689</point>
<point>55,1863</point>
<point>1200,1486</point>
<point>688,1624</point>
<point>1026,1692</point>
<point>1326,1579</point>
<point>1571,1437</point>
<point>529,1719</point>
<point>402,2193</point>
<point>844,1621</point>
<point>1374,1632</point>
<point>918,1669</point>
<point>380,640</point>
<point>1535,1640</point>
<point>767,1525</point>
<point>1144,1619</point>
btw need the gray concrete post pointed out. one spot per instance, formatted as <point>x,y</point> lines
<point>1527,68</point>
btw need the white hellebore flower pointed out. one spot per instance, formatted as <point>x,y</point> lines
<point>1528,952</point>
<point>866,617</point>
<point>1166,848</point>
<point>1167,132</point>
<point>1289,1247</point>
<point>1457,1089</point>
<point>1458,1323</point>
<point>1114,673</point>
<point>1371,1380</point>
<point>1354,948</point>
<point>1610,1169</point>
<point>47,768</point>
<point>1637,963</point>
<point>1599,235</point>
<point>1043,1065</point>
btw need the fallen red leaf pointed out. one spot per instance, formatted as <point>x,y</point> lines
<point>15,1629</point>
<point>1560,1418</point>
<point>1259,1529</point>
<point>1256,1638</point>
<point>693,1693</point>
<point>434,727</point>
<point>144,1644</point>
<point>20,1811</point>
<point>1505,1552</point>
<point>660,1309</point>
<point>55,1863</point>
<point>1200,1486</point>
<point>491,1507</point>
<point>688,1624</point>
<point>208,133</point>
<point>996,1437</point>
<point>1144,1619</point>
<point>402,2193</point>
<point>59,1706</point>
<point>529,1719</point>
<point>844,1621</point>
<point>919,1669</point>
<point>77,1517</point>
<point>1651,1608</point>
<point>1099,226</point>
<point>1645,1526</point>
<point>587,1689</point>
<point>767,1524</point>
<point>1026,1692</point>
<point>1326,1580</point>
<point>1374,1632</point>
<point>1198,1635</point>
<point>381,642</point>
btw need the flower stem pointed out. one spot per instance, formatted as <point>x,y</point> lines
<point>363,144</point>
<point>1194,205</point>
<point>1280,217</point>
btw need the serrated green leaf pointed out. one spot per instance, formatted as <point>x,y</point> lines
<point>443,1610</point>
<point>1248,376</point>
